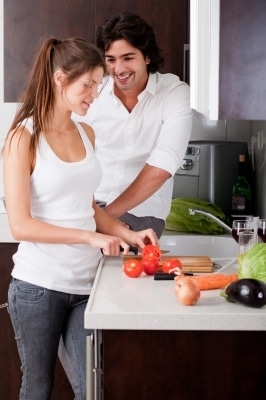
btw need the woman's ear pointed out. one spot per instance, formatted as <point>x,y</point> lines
<point>59,77</point>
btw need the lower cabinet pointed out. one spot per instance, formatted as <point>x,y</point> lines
<point>183,365</point>
<point>9,360</point>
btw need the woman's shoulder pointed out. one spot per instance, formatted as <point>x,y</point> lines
<point>22,132</point>
<point>88,131</point>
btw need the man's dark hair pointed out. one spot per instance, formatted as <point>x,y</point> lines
<point>136,31</point>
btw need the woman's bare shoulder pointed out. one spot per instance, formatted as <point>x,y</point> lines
<point>18,138</point>
<point>89,132</point>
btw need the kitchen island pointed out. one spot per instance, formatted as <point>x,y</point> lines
<point>151,347</point>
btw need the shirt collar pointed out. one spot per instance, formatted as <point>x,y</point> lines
<point>151,84</point>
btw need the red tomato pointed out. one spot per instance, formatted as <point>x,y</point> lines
<point>170,263</point>
<point>132,268</point>
<point>150,265</point>
<point>151,251</point>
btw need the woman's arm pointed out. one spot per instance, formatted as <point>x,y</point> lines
<point>111,226</point>
<point>17,171</point>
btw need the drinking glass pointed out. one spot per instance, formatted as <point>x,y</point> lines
<point>246,240</point>
<point>241,226</point>
<point>262,230</point>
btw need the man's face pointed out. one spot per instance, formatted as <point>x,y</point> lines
<point>127,66</point>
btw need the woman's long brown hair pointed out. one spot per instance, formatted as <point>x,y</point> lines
<point>74,56</point>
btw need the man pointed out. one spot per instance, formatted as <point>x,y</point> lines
<point>142,121</point>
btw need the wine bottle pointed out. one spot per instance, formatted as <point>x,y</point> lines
<point>241,190</point>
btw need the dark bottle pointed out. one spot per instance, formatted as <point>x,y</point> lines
<point>241,190</point>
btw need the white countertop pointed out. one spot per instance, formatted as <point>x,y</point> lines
<point>5,234</point>
<point>120,302</point>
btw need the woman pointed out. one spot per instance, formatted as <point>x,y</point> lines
<point>50,175</point>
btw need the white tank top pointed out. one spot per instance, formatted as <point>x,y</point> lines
<point>61,194</point>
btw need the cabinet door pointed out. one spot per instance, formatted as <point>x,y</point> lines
<point>183,365</point>
<point>242,83</point>
<point>170,22</point>
<point>9,360</point>
<point>228,58</point>
<point>26,22</point>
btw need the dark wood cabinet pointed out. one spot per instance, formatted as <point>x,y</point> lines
<point>242,84</point>
<point>27,21</point>
<point>9,360</point>
<point>170,20</point>
<point>183,365</point>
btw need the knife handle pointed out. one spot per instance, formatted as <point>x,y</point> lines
<point>164,276</point>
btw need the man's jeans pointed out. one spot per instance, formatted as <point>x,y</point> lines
<point>141,223</point>
<point>41,317</point>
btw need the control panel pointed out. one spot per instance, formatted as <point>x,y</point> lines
<point>190,165</point>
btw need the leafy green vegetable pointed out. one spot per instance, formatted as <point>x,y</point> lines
<point>252,263</point>
<point>180,220</point>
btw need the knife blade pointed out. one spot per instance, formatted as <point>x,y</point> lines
<point>138,254</point>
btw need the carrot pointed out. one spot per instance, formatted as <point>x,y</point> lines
<point>214,281</point>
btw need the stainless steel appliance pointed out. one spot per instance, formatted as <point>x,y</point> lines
<point>209,171</point>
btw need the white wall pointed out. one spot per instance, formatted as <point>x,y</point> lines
<point>202,128</point>
<point>7,110</point>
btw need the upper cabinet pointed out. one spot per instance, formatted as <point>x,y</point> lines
<point>170,20</point>
<point>228,58</point>
<point>27,21</point>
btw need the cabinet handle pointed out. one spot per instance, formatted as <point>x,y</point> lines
<point>186,63</point>
<point>90,366</point>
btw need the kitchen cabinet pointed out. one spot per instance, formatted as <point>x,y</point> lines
<point>34,20</point>
<point>9,359</point>
<point>170,21</point>
<point>183,365</point>
<point>37,19</point>
<point>228,58</point>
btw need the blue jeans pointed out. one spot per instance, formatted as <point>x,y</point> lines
<point>41,317</point>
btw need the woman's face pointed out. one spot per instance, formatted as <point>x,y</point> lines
<point>77,96</point>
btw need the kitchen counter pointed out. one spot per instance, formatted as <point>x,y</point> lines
<point>120,302</point>
<point>123,303</point>
<point>145,344</point>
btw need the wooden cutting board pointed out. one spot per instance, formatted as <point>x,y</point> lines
<point>189,263</point>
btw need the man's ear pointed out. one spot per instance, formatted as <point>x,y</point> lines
<point>59,77</point>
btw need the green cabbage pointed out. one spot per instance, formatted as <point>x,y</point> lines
<point>252,263</point>
<point>180,220</point>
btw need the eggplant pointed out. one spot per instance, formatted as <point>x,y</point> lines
<point>246,291</point>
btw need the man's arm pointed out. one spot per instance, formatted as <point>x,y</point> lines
<point>149,180</point>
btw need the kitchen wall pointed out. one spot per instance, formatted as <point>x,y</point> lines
<point>203,129</point>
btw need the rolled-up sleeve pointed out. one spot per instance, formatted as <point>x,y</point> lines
<point>176,124</point>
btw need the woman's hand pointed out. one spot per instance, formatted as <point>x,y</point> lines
<point>109,245</point>
<point>111,226</point>
<point>141,238</point>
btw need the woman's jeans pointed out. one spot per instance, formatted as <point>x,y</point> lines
<point>41,317</point>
